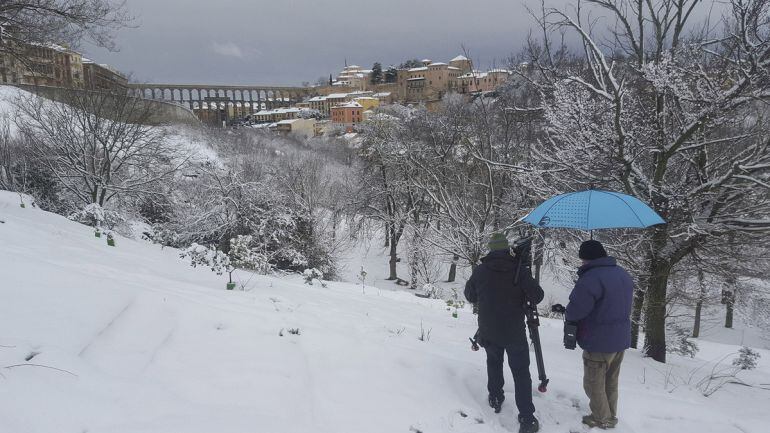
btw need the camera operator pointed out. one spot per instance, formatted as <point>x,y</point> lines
<point>500,298</point>
<point>598,316</point>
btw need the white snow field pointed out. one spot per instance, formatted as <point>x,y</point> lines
<point>131,339</point>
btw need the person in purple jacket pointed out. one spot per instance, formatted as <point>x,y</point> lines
<point>600,307</point>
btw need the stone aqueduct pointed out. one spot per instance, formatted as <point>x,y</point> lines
<point>203,96</point>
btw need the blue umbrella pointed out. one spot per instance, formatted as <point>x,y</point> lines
<point>593,209</point>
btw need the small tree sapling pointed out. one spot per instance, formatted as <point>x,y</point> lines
<point>216,260</point>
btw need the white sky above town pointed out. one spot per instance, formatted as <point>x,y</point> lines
<point>290,41</point>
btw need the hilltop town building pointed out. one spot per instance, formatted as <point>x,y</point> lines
<point>44,65</point>
<point>348,115</point>
<point>102,77</point>
<point>57,66</point>
<point>354,77</point>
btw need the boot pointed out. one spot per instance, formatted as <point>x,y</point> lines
<point>496,403</point>
<point>590,421</point>
<point>528,426</point>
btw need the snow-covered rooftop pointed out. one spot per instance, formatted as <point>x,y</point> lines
<point>421,68</point>
<point>288,121</point>
<point>459,58</point>
<point>276,111</point>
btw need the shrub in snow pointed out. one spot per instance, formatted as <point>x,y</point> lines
<point>679,342</point>
<point>432,291</point>
<point>96,216</point>
<point>313,275</point>
<point>243,255</point>
<point>747,358</point>
<point>455,303</point>
<point>211,257</point>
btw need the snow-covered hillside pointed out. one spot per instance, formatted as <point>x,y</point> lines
<point>132,339</point>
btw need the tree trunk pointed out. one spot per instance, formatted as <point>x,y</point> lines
<point>728,298</point>
<point>729,313</point>
<point>655,311</point>
<point>696,325</point>
<point>453,270</point>
<point>393,254</point>
<point>698,306</point>
<point>636,316</point>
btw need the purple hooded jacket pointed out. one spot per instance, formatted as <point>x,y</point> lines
<point>600,303</point>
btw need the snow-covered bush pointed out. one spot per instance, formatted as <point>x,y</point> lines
<point>747,358</point>
<point>97,216</point>
<point>210,257</point>
<point>243,255</point>
<point>679,342</point>
<point>312,276</point>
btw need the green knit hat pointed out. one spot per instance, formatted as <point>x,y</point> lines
<point>498,241</point>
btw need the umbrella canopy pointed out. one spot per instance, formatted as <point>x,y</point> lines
<point>593,209</point>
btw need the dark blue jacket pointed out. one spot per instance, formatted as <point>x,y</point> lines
<point>500,300</point>
<point>600,303</point>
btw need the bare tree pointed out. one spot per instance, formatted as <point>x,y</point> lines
<point>386,194</point>
<point>25,22</point>
<point>8,155</point>
<point>98,146</point>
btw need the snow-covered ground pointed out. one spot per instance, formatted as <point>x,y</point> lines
<point>132,339</point>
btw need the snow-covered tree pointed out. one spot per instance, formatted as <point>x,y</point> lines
<point>210,257</point>
<point>98,146</point>
<point>26,22</point>
<point>673,119</point>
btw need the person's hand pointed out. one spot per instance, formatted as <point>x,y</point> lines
<point>570,335</point>
<point>558,308</point>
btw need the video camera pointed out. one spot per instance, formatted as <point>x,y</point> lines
<point>522,251</point>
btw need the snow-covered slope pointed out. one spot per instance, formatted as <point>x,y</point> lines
<point>131,339</point>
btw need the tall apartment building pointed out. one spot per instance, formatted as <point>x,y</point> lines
<point>43,65</point>
<point>102,77</point>
<point>57,66</point>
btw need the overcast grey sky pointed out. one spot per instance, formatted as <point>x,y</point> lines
<point>290,41</point>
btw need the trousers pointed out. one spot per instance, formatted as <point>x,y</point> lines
<point>600,381</point>
<point>518,361</point>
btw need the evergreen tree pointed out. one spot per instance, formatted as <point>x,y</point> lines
<point>391,75</point>
<point>409,64</point>
<point>331,81</point>
<point>376,73</point>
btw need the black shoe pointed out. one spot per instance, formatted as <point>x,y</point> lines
<point>531,426</point>
<point>496,403</point>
